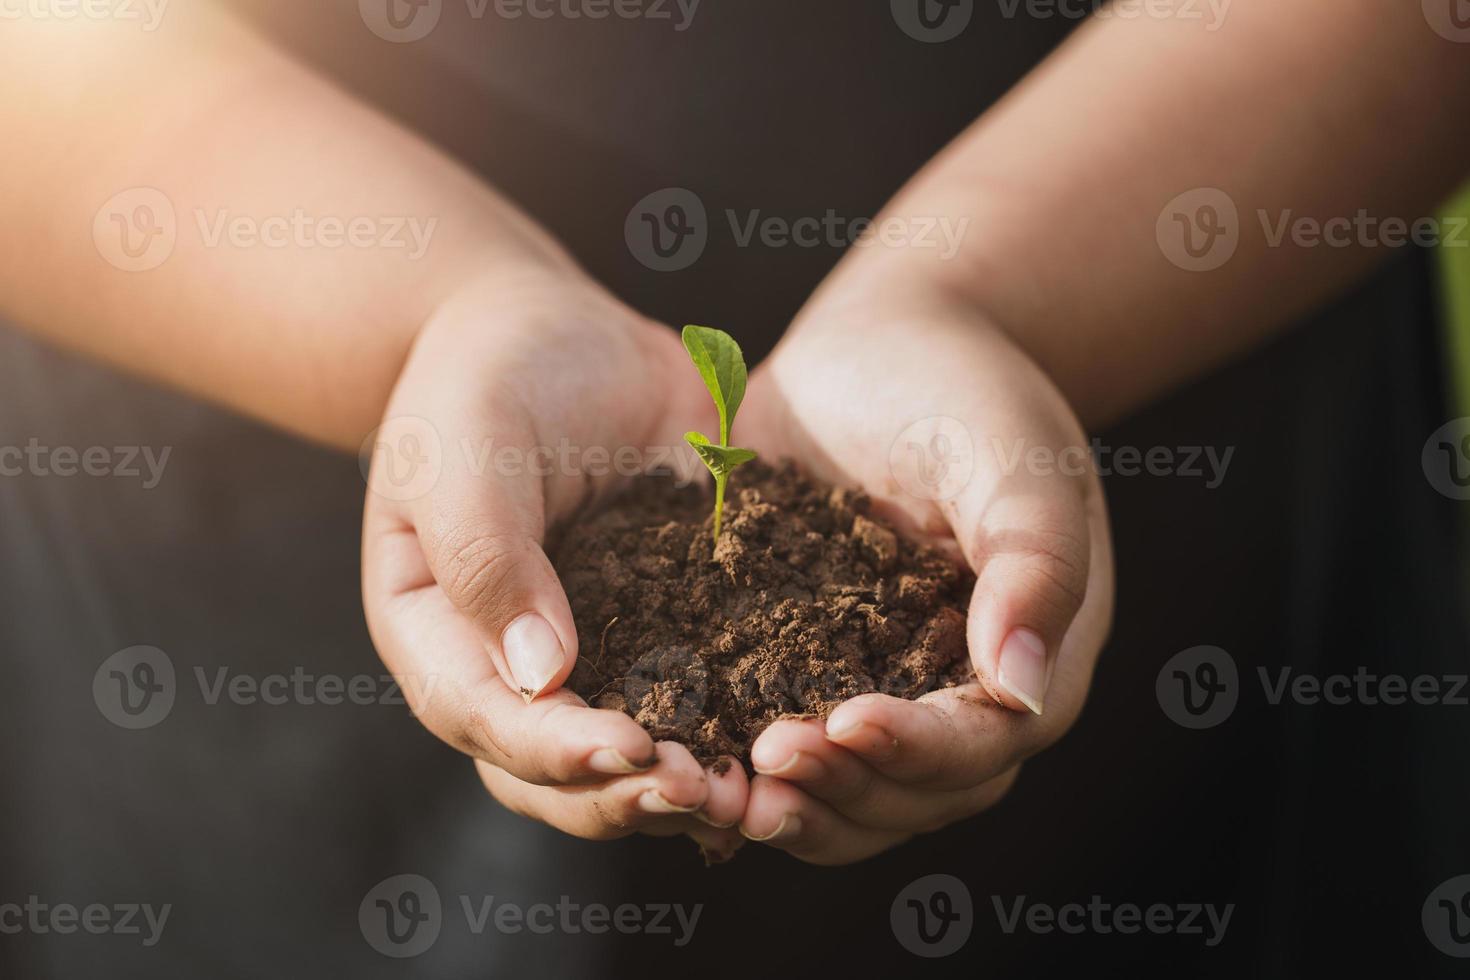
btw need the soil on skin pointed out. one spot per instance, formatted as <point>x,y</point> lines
<point>806,601</point>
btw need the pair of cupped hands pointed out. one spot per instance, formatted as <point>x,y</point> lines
<point>465,607</point>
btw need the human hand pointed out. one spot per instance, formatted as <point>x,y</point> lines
<point>861,370</point>
<point>461,600</point>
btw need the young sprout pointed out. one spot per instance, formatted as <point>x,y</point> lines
<point>722,367</point>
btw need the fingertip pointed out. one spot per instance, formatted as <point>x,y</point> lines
<point>773,812</point>
<point>728,792</point>
<point>868,740</point>
<point>678,778</point>
<point>578,742</point>
<point>537,655</point>
<point>865,725</point>
<point>772,749</point>
<point>1012,664</point>
<point>1023,668</point>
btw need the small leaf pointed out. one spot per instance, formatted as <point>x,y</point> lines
<point>720,459</point>
<point>722,366</point>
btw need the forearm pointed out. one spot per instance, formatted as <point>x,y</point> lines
<point>313,236</point>
<point>1318,108</point>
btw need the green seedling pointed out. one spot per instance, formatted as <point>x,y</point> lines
<point>722,367</point>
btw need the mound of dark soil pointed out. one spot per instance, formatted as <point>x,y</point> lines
<point>805,602</point>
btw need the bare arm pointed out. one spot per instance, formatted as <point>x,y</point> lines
<point>1322,107</point>
<point>306,330</point>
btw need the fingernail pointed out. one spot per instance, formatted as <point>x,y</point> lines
<point>533,652</point>
<point>782,769</point>
<point>612,762</point>
<point>801,765</point>
<point>703,818</point>
<point>789,827</point>
<point>865,738</point>
<point>1023,668</point>
<point>652,801</point>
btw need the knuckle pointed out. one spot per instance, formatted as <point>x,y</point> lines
<point>606,822</point>
<point>952,752</point>
<point>1051,573</point>
<point>476,569</point>
<point>470,731</point>
<point>856,793</point>
<point>554,754</point>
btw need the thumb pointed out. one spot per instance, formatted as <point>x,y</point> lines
<point>481,536</point>
<point>1030,549</point>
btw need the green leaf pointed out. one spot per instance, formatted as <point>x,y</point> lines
<point>722,366</point>
<point>720,459</point>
